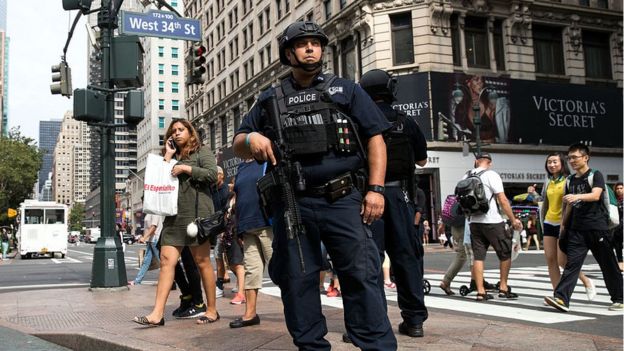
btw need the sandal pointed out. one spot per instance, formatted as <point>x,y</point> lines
<point>484,297</point>
<point>144,321</point>
<point>507,295</point>
<point>447,289</point>
<point>207,320</point>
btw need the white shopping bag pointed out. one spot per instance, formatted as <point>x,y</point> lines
<point>160,188</point>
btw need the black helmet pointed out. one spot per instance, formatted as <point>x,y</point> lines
<point>379,83</point>
<point>299,29</point>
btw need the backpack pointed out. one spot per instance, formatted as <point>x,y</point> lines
<point>400,156</point>
<point>609,200</point>
<point>452,214</point>
<point>471,194</point>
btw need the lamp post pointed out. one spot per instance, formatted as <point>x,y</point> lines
<point>476,119</point>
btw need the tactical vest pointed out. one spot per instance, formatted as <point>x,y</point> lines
<point>400,155</point>
<point>311,122</point>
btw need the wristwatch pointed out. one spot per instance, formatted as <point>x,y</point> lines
<point>376,189</point>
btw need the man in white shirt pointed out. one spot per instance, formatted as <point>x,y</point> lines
<point>489,229</point>
<point>153,227</point>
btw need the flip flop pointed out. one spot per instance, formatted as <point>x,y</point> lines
<point>447,290</point>
<point>207,320</point>
<point>484,297</point>
<point>146,322</point>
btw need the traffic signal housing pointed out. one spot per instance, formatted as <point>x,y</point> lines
<point>195,61</point>
<point>443,130</point>
<point>61,80</point>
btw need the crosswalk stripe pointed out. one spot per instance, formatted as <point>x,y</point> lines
<point>531,283</point>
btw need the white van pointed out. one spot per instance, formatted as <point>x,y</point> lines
<point>43,228</point>
<point>93,234</point>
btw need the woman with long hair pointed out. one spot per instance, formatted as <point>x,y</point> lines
<point>551,214</point>
<point>196,171</point>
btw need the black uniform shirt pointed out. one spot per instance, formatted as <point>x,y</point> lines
<point>411,128</point>
<point>353,101</point>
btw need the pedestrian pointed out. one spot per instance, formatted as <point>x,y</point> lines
<point>151,235</point>
<point>426,232</point>
<point>488,228</point>
<point>531,228</point>
<point>618,189</point>
<point>584,227</point>
<point>187,277</point>
<point>257,237</point>
<point>552,194</point>
<point>406,147</point>
<point>219,194</point>
<point>233,246</point>
<point>457,223</point>
<point>331,209</point>
<point>419,201</point>
<point>196,170</point>
<point>4,241</point>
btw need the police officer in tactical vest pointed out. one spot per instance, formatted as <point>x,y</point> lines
<point>331,128</point>
<point>406,146</point>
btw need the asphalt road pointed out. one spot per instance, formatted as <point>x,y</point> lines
<point>528,277</point>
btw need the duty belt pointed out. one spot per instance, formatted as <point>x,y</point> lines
<point>333,189</point>
<point>394,183</point>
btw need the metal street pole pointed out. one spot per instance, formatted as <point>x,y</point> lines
<point>109,268</point>
<point>476,120</point>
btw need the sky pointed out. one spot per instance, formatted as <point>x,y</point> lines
<point>38,32</point>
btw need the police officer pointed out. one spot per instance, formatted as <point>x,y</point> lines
<point>321,138</point>
<point>406,146</point>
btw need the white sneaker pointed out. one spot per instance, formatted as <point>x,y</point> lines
<point>616,306</point>
<point>219,292</point>
<point>590,290</point>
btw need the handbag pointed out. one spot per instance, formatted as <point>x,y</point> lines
<point>208,228</point>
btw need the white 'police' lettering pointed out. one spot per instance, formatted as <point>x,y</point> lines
<point>302,98</point>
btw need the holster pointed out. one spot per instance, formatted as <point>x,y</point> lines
<point>267,191</point>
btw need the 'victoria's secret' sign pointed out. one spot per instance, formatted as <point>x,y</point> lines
<point>562,114</point>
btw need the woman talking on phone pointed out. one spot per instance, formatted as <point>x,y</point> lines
<point>196,170</point>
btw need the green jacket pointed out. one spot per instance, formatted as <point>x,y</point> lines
<point>199,182</point>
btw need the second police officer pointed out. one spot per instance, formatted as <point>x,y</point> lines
<point>314,108</point>
<point>406,146</point>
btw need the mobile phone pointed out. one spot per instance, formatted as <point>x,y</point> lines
<point>172,144</point>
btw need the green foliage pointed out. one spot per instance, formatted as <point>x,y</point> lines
<point>76,216</point>
<point>20,160</point>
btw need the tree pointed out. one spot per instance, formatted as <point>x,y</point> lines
<point>76,216</point>
<point>20,160</point>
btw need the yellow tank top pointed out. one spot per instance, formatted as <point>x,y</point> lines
<point>555,200</point>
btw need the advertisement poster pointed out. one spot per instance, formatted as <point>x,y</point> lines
<point>461,98</point>
<point>526,112</point>
<point>229,162</point>
<point>412,94</point>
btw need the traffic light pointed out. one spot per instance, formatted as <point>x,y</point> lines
<point>195,61</point>
<point>443,130</point>
<point>61,78</point>
<point>83,5</point>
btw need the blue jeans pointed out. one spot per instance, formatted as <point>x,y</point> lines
<point>150,254</point>
<point>5,249</point>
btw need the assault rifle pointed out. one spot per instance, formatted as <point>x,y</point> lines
<point>280,177</point>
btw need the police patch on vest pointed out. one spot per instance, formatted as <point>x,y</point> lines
<point>334,90</point>
<point>303,120</point>
<point>303,97</point>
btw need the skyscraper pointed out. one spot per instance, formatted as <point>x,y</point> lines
<point>4,70</point>
<point>48,133</point>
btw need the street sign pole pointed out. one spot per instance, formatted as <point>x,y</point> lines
<point>109,268</point>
